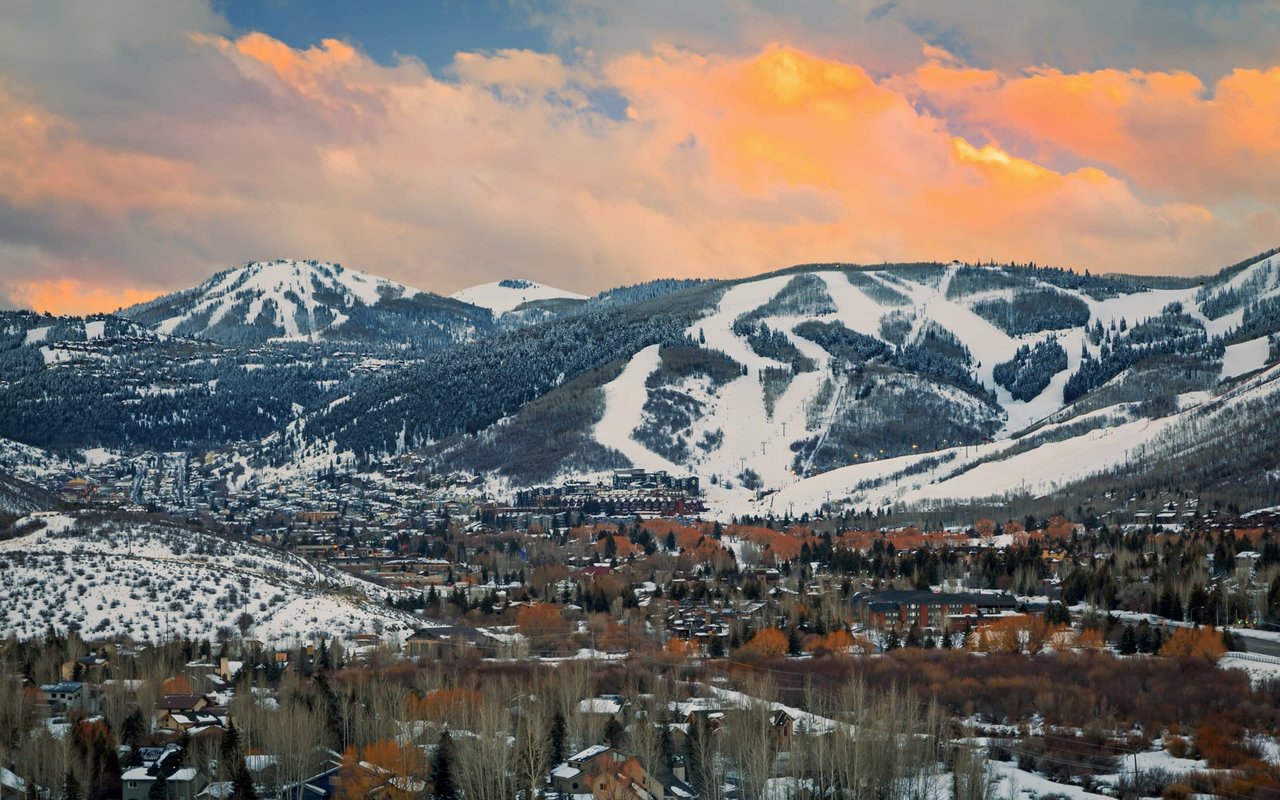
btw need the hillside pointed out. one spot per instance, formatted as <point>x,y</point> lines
<point>308,301</point>
<point>515,301</point>
<point>777,379</point>
<point>786,390</point>
<point>149,580</point>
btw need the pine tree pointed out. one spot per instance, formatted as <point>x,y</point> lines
<point>892,640</point>
<point>242,787</point>
<point>159,788</point>
<point>557,735</point>
<point>71,787</point>
<point>1128,644</point>
<point>442,784</point>
<point>613,733</point>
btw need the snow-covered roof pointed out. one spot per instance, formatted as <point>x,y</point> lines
<point>590,753</point>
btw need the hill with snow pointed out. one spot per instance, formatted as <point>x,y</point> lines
<point>771,386</point>
<point>502,297</point>
<point>306,301</point>
<point>151,580</point>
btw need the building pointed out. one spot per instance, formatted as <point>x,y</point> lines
<point>901,608</point>
<point>65,697</point>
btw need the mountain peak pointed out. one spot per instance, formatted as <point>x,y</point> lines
<point>509,294</point>
<point>284,298</point>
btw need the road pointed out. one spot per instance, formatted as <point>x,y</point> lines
<point>1251,644</point>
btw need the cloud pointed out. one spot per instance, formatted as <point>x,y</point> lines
<point>727,162</point>
<point>1166,131</point>
<point>67,296</point>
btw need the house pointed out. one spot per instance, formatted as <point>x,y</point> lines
<point>184,706</point>
<point>65,697</point>
<point>317,787</point>
<point>603,773</point>
<point>184,783</point>
<point>162,764</point>
<point>442,642</point>
<point>12,787</point>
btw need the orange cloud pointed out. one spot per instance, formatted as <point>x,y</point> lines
<point>1166,131</point>
<point>75,297</point>
<point>722,166</point>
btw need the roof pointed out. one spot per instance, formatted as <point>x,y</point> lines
<point>590,753</point>
<point>64,687</point>
<point>179,701</point>
<point>926,597</point>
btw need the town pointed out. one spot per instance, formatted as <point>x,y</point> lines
<point>562,653</point>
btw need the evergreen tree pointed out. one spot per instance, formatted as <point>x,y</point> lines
<point>1128,644</point>
<point>892,641</point>
<point>242,787</point>
<point>715,647</point>
<point>913,636</point>
<point>71,787</point>
<point>613,733</point>
<point>159,788</point>
<point>442,783</point>
<point>558,734</point>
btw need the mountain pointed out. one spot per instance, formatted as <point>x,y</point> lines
<point>821,381</point>
<point>764,384</point>
<point>107,575</point>
<point>520,301</point>
<point>185,371</point>
<point>309,301</point>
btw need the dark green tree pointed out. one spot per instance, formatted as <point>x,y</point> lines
<point>557,736</point>
<point>442,783</point>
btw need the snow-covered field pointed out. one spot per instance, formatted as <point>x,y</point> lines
<point>152,580</point>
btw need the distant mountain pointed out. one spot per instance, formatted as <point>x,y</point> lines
<point>814,380</point>
<point>516,295</point>
<point>309,301</point>
<point>764,385</point>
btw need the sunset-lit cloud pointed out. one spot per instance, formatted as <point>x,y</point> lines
<point>68,296</point>
<point>613,163</point>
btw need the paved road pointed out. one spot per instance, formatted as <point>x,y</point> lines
<point>1267,647</point>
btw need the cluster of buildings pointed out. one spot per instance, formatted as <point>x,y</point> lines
<point>630,491</point>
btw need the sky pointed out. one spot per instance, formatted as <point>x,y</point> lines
<point>146,144</point>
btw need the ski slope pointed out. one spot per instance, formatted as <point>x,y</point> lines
<point>500,299</point>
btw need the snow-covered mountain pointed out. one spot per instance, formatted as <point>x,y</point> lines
<point>764,384</point>
<point>504,296</point>
<point>515,303</point>
<point>306,301</point>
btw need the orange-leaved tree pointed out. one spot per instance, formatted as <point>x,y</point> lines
<point>542,621</point>
<point>767,643</point>
<point>1202,642</point>
<point>381,769</point>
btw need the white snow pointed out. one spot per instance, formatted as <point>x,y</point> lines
<point>36,335</point>
<point>1245,357</point>
<point>1260,669</point>
<point>93,329</point>
<point>500,299</point>
<point>624,403</point>
<point>285,291</point>
<point>151,580</point>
